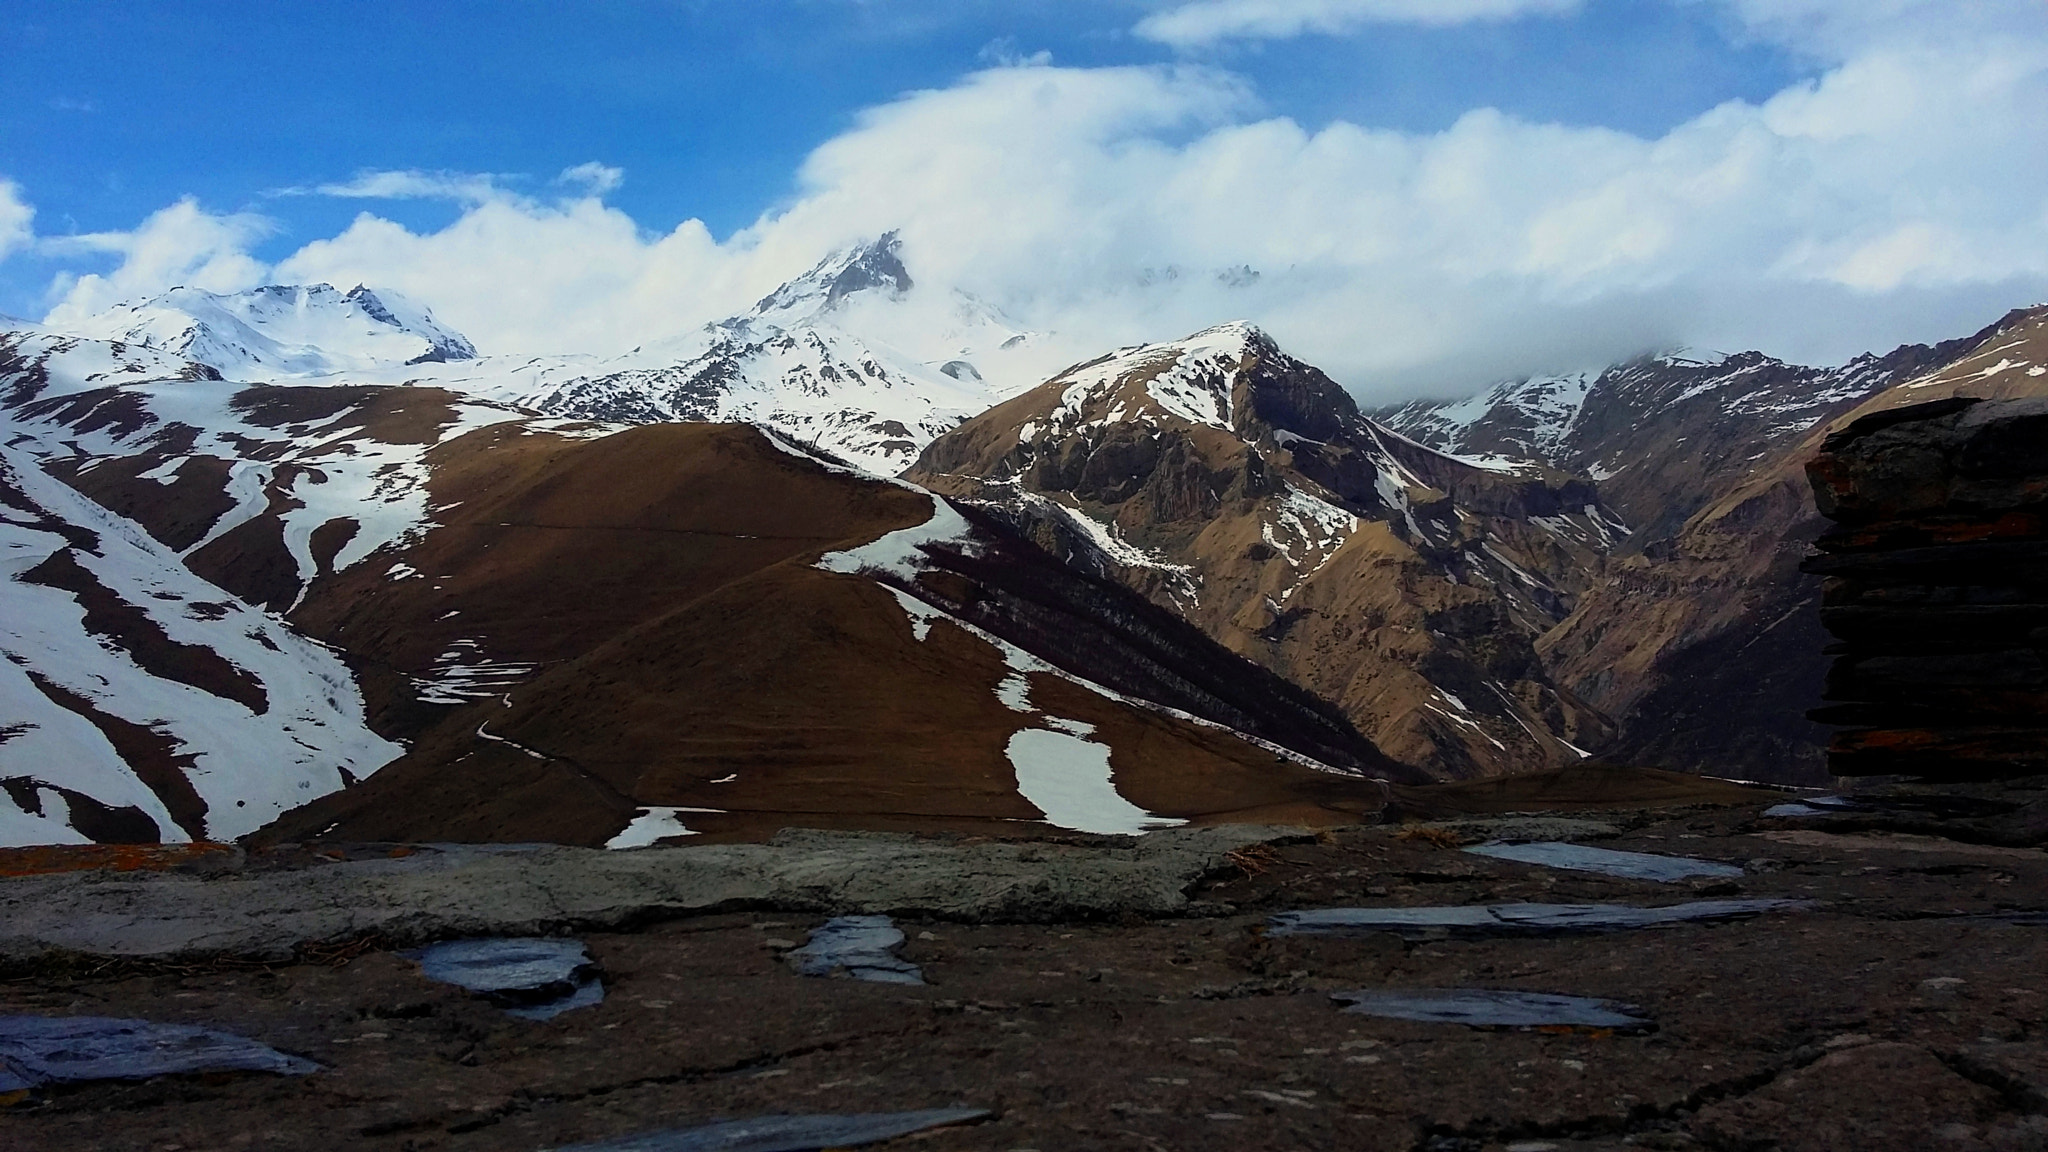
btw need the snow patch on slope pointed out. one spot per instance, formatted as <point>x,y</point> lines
<point>901,559</point>
<point>1068,777</point>
<point>654,824</point>
<point>311,472</point>
<point>901,553</point>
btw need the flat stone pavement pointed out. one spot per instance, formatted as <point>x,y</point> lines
<point>412,894</point>
<point>1907,1009</point>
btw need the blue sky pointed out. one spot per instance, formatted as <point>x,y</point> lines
<point>114,109</point>
<point>1432,190</point>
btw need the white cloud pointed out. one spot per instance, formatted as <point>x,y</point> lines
<point>412,184</point>
<point>1902,195</point>
<point>518,276</point>
<point>1206,22</point>
<point>595,178</point>
<point>179,245</point>
<point>17,219</point>
<point>1003,52</point>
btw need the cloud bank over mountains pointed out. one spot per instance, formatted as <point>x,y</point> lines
<point>1900,194</point>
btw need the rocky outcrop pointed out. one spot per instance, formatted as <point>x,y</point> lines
<point>444,891</point>
<point>1937,588</point>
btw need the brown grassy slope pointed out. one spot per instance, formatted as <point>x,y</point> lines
<point>663,579</point>
<point>1710,654</point>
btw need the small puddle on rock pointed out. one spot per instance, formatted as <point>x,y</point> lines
<point>1482,1008</point>
<point>1513,919</point>
<point>1628,865</point>
<point>861,947</point>
<point>531,978</point>
<point>40,1050</point>
<point>787,1133</point>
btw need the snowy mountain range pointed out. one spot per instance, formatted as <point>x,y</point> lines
<point>852,356</point>
<point>225,601</point>
<point>268,547</point>
<point>282,330</point>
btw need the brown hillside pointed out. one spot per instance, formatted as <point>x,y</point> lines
<point>653,631</point>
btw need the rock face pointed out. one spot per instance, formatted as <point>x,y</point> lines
<point>1702,613</point>
<point>1243,488</point>
<point>1937,588</point>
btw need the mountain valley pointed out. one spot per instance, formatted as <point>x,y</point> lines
<point>1702,613</point>
<point>306,564</point>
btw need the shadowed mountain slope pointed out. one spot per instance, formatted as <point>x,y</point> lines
<point>1719,623</point>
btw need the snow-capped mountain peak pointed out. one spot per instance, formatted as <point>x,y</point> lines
<point>853,356</point>
<point>388,307</point>
<point>283,330</point>
<point>1193,379</point>
<point>874,266</point>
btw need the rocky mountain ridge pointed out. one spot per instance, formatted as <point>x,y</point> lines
<point>1716,620</point>
<point>1243,488</point>
<point>1660,434</point>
